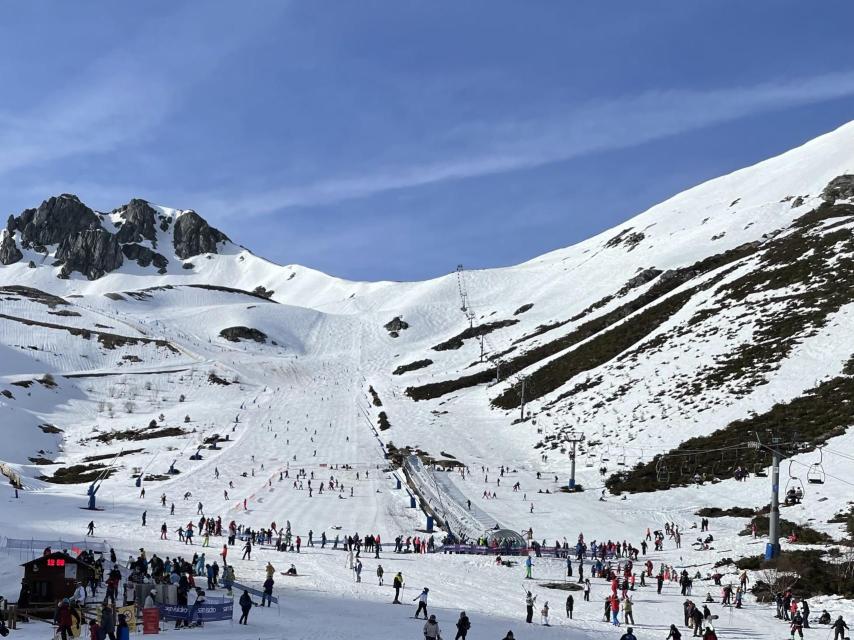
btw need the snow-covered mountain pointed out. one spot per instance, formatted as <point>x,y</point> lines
<point>130,339</point>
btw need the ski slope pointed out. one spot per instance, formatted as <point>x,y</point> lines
<point>135,347</point>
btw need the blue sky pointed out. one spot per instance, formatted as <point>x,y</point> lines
<point>394,140</point>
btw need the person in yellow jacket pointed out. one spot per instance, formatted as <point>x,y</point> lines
<point>628,616</point>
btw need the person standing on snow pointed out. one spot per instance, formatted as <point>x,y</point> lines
<point>358,570</point>
<point>422,602</point>
<point>245,603</point>
<point>247,550</point>
<point>528,567</point>
<point>839,628</point>
<point>570,602</point>
<point>268,591</point>
<point>380,574</point>
<point>398,585</point>
<point>530,599</point>
<point>628,635</point>
<point>544,614</point>
<point>463,626</point>
<point>431,629</point>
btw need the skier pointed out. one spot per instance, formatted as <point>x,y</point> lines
<point>528,567</point>
<point>90,531</point>
<point>247,549</point>
<point>422,602</point>
<point>463,626</point>
<point>839,628</point>
<point>529,607</point>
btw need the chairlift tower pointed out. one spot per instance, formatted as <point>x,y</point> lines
<point>574,441</point>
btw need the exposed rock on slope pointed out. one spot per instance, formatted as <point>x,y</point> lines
<point>236,334</point>
<point>138,224</point>
<point>145,256</point>
<point>840,188</point>
<point>55,220</point>
<point>92,252</point>
<point>192,236</point>
<point>9,252</point>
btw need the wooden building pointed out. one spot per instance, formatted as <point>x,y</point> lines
<point>53,577</point>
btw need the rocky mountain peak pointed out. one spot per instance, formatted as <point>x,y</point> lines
<point>138,222</point>
<point>53,221</point>
<point>192,235</point>
<point>75,234</point>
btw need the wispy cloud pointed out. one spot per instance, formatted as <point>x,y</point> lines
<point>575,132</point>
<point>130,89</point>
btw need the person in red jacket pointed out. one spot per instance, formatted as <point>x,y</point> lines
<point>615,611</point>
<point>65,618</point>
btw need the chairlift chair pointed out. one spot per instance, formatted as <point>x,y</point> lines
<point>815,473</point>
<point>662,472</point>
<point>793,484</point>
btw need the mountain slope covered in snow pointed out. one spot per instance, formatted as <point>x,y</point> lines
<point>142,341</point>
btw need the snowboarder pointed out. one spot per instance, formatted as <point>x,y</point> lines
<point>422,602</point>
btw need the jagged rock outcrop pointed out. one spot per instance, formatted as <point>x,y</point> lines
<point>138,222</point>
<point>9,252</point>
<point>840,188</point>
<point>56,219</point>
<point>93,253</point>
<point>192,235</point>
<point>144,256</point>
